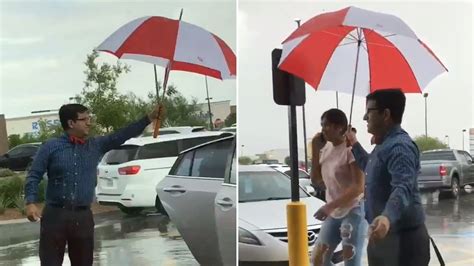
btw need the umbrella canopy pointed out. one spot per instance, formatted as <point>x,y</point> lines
<point>359,51</point>
<point>172,43</point>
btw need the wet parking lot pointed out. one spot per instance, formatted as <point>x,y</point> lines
<point>150,239</point>
<point>120,240</point>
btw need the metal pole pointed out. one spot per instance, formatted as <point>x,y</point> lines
<point>359,42</point>
<point>426,114</point>
<point>337,100</point>
<point>463,138</point>
<point>209,105</point>
<point>295,195</point>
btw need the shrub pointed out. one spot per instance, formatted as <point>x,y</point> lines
<point>10,190</point>
<point>6,172</point>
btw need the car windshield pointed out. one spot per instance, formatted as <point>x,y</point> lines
<point>121,155</point>
<point>441,155</point>
<point>267,185</point>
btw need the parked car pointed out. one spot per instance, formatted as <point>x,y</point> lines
<point>447,170</point>
<point>304,180</point>
<point>176,130</point>
<point>229,129</point>
<point>20,157</point>
<point>263,234</point>
<point>199,195</point>
<point>127,176</point>
<point>303,176</point>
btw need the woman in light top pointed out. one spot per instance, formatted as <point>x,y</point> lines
<point>334,167</point>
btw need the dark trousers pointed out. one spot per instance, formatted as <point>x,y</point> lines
<point>74,227</point>
<point>405,248</point>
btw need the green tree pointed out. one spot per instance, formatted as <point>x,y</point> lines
<point>231,119</point>
<point>100,93</point>
<point>47,131</point>
<point>14,140</point>
<point>429,143</point>
<point>245,160</point>
<point>113,110</point>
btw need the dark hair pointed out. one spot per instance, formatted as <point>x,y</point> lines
<point>336,117</point>
<point>391,99</point>
<point>69,112</point>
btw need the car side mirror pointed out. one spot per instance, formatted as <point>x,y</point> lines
<point>6,155</point>
<point>469,161</point>
<point>310,190</point>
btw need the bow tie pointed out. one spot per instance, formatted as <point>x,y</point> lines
<point>76,140</point>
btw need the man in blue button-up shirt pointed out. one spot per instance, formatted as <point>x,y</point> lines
<point>397,234</point>
<point>71,163</point>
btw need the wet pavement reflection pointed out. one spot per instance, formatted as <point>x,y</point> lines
<point>450,223</point>
<point>119,240</point>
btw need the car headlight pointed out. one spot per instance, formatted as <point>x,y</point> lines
<point>248,238</point>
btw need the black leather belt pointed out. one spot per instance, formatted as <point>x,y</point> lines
<point>70,207</point>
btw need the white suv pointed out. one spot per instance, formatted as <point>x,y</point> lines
<point>127,176</point>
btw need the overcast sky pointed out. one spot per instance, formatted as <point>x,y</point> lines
<point>445,26</point>
<point>43,46</point>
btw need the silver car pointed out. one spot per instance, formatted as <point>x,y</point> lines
<point>199,195</point>
<point>263,195</point>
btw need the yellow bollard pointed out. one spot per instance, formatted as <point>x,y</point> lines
<point>297,234</point>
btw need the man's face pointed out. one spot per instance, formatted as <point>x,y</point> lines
<point>374,117</point>
<point>82,124</point>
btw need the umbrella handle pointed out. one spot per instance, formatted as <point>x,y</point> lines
<point>156,129</point>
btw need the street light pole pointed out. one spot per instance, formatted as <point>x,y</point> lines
<point>242,150</point>
<point>447,137</point>
<point>209,105</point>
<point>426,114</point>
<point>464,130</point>
<point>298,21</point>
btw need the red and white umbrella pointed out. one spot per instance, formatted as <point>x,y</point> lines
<point>359,51</point>
<point>173,44</point>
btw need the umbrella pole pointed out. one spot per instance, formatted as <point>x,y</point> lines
<point>209,106</point>
<point>156,83</point>
<point>359,42</point>
<point>156,130</point>
<point>165,84</point>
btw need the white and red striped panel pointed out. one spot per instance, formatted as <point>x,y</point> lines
<point>325,58</point>
<point>159,40</point>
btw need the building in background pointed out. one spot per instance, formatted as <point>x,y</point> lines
<point>219,110</point>
<point>30,124</point>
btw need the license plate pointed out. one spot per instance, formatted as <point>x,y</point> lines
<point>110,183</point>
<point>421,185</point>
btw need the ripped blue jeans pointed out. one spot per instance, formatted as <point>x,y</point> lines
<point>331,235</point>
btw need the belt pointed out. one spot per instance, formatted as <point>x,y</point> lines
<point>69,206</point>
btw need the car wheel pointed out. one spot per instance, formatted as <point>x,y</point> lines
<point>159,207</point>
<point>130,210</point>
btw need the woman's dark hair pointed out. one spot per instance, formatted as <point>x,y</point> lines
<point>69,112</point>
<point>336,117</point>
